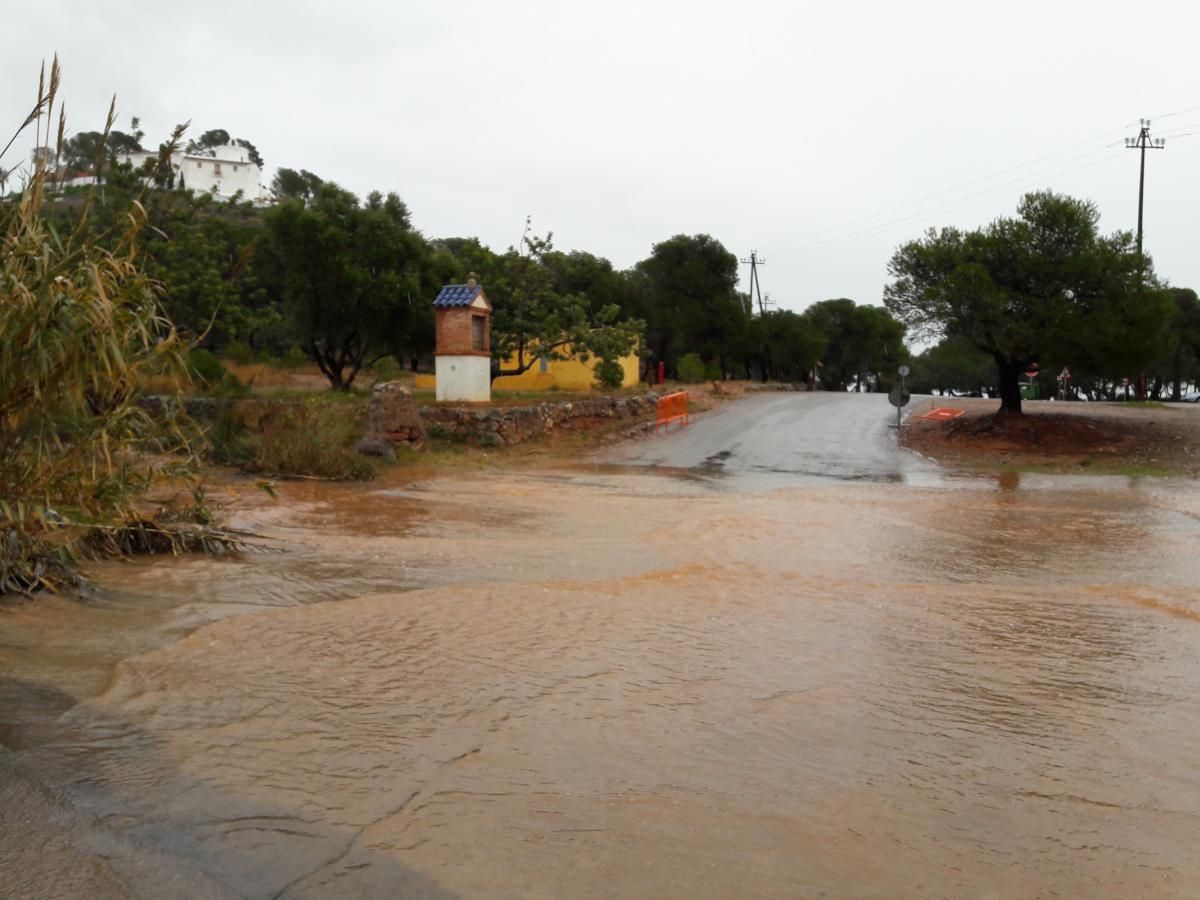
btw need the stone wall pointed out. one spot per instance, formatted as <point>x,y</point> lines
<point>495,426</point>
<point>388,422</point>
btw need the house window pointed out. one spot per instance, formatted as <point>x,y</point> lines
<point>478,332</point>
<point>216,168</point>
<point>199,165</point>
<point>544,365</point>
<point>235,168</point>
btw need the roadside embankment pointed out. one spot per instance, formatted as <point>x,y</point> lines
<point>1101,438</point>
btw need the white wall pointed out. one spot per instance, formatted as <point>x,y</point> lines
<point>464,378</point>
<point>223,176</point>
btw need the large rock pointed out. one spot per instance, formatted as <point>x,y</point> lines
<point>393,416</point>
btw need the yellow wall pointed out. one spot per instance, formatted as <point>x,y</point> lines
<point>567,375</point>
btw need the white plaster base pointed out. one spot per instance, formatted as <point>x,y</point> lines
<point>464,378</point>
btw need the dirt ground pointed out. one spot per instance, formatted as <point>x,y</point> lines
<point>1116,438</point>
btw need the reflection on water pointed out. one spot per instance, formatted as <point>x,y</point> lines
<point>608,684</point>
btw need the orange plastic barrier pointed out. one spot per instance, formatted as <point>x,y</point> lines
<point>672,408</point>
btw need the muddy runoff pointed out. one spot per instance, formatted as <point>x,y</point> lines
<point>616,684</point>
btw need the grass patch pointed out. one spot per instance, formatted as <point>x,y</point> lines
<point>1090,466</point>
<point>1143,470</point>
<point>313,439</point>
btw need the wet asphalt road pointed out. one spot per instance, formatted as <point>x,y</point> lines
<point>786,437</point>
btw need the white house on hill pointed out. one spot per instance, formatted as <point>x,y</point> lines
<point>225,173</point>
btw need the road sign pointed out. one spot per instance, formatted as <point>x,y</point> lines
<point>904,370</point>
<point>898,397</point>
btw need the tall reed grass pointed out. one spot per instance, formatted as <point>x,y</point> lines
<point>80,327</point>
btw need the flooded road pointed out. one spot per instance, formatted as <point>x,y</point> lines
<point>602,682</point>
<point>776,439</point>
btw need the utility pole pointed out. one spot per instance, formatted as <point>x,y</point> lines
<point>755,284</point>
<point>1142,142</point>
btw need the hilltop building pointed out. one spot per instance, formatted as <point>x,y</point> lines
<point>223,174</point>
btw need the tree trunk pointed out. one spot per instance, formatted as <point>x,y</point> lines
<point>1010,385</point>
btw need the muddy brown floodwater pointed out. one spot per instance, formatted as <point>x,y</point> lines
<point>597,683</point>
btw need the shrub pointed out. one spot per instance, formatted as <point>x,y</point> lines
<point>712,372</point>
<point>231,387</point>
<point>691,369</point>
<point>205,368</point>
<point>228,440</point>
<point>386,369</point>
<point>609,374</point>
<point>314,438</point>
<point>239,352</point>
<point>295,358</point>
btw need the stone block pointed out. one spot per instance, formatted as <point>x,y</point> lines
<point>393,415</point>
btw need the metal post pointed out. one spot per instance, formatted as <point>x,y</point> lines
<point>1141,195</point>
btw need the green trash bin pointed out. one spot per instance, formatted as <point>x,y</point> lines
<point>1029,392</point>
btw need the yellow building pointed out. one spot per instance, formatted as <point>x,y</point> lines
<point>563,374</point>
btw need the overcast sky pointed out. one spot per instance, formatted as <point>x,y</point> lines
<point>821,134</point>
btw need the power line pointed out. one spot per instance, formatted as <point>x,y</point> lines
<point>1178,112</point>
<point>1178,128</point>
<point>909,221</point>
<point>961,203</point>
<point>953,190</point>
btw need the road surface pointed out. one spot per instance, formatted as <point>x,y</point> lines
<point>787,435</point>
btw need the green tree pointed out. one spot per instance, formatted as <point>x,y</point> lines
<point>953,365</point>
<point>689,300</point>
<point>863,344</point>
<point>789,345</point>
<point>90,151</point>
<point>532,320</point>
<point>592,277</point>
<point>209,141</point>
<point>289,184</point>
<point>1021,289</point>
<point>200,250</point>
<point>352,277</point>
<point>1179,362</point>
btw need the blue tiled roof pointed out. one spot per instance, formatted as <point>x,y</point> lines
<point>456,295</point>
